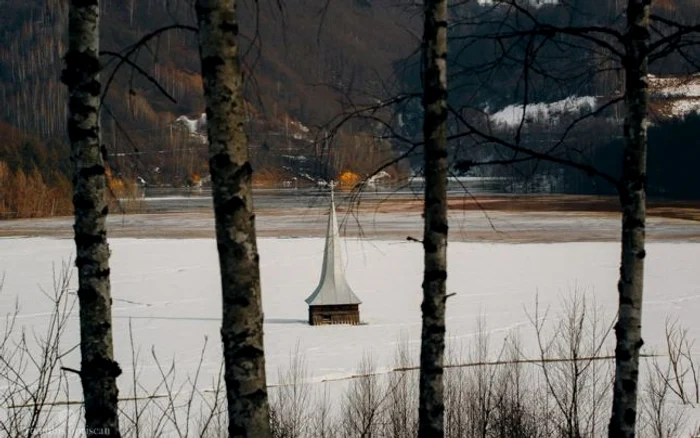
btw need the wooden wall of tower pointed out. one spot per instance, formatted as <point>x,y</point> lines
<point>334,314</point>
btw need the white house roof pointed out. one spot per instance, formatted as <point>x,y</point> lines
<point>333,288</point>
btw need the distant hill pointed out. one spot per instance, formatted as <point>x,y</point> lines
<point>305,61</point>
<point>302,62</point>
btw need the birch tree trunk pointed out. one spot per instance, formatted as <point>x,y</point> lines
<point>242,326</point>
<point>431,402</point>
<point>98,370</point>
<point>633,202</point>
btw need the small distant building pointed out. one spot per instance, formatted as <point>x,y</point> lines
<point>333,301</point>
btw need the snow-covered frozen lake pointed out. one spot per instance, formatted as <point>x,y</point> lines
<point>169,291</point>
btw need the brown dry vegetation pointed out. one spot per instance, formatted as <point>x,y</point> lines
<point>26,196</point>
<point>33,181</point>
<point>688,210</point>
<point>268,178</point>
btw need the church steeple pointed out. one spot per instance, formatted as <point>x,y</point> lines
<point>333,289</point>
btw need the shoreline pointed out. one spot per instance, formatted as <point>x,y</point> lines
<point>491,218</point>
<point>465,226</point>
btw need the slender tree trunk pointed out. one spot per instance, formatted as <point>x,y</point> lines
<point>98,371</point>
<point>231,172</point>
<point>633,202</point>
<point>431,402</point>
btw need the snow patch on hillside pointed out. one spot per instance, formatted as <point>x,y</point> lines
<point>541,112</point>
<point>288,127</point>
<point>688,86</point>
<point>674,97</point>
<point>678,108</point>
<point>671,97</point>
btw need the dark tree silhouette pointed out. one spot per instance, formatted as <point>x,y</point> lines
<point>231,172</point>
<point>98,371</point>
<point>431,403</point>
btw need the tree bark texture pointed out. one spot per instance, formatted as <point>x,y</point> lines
<point>231,172</point>
<point>99,371</point>
<point>633,202</point>
<point>431,402</point>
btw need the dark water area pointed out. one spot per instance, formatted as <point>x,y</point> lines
<point>163,200</point>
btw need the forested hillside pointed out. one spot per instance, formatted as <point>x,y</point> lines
<point>302,57</point>
<point>560,92</point>
<point>307,61</point>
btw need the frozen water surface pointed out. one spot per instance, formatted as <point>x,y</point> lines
<point>169,290</point>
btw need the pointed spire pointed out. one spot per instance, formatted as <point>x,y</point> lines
<point>333,288</point>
